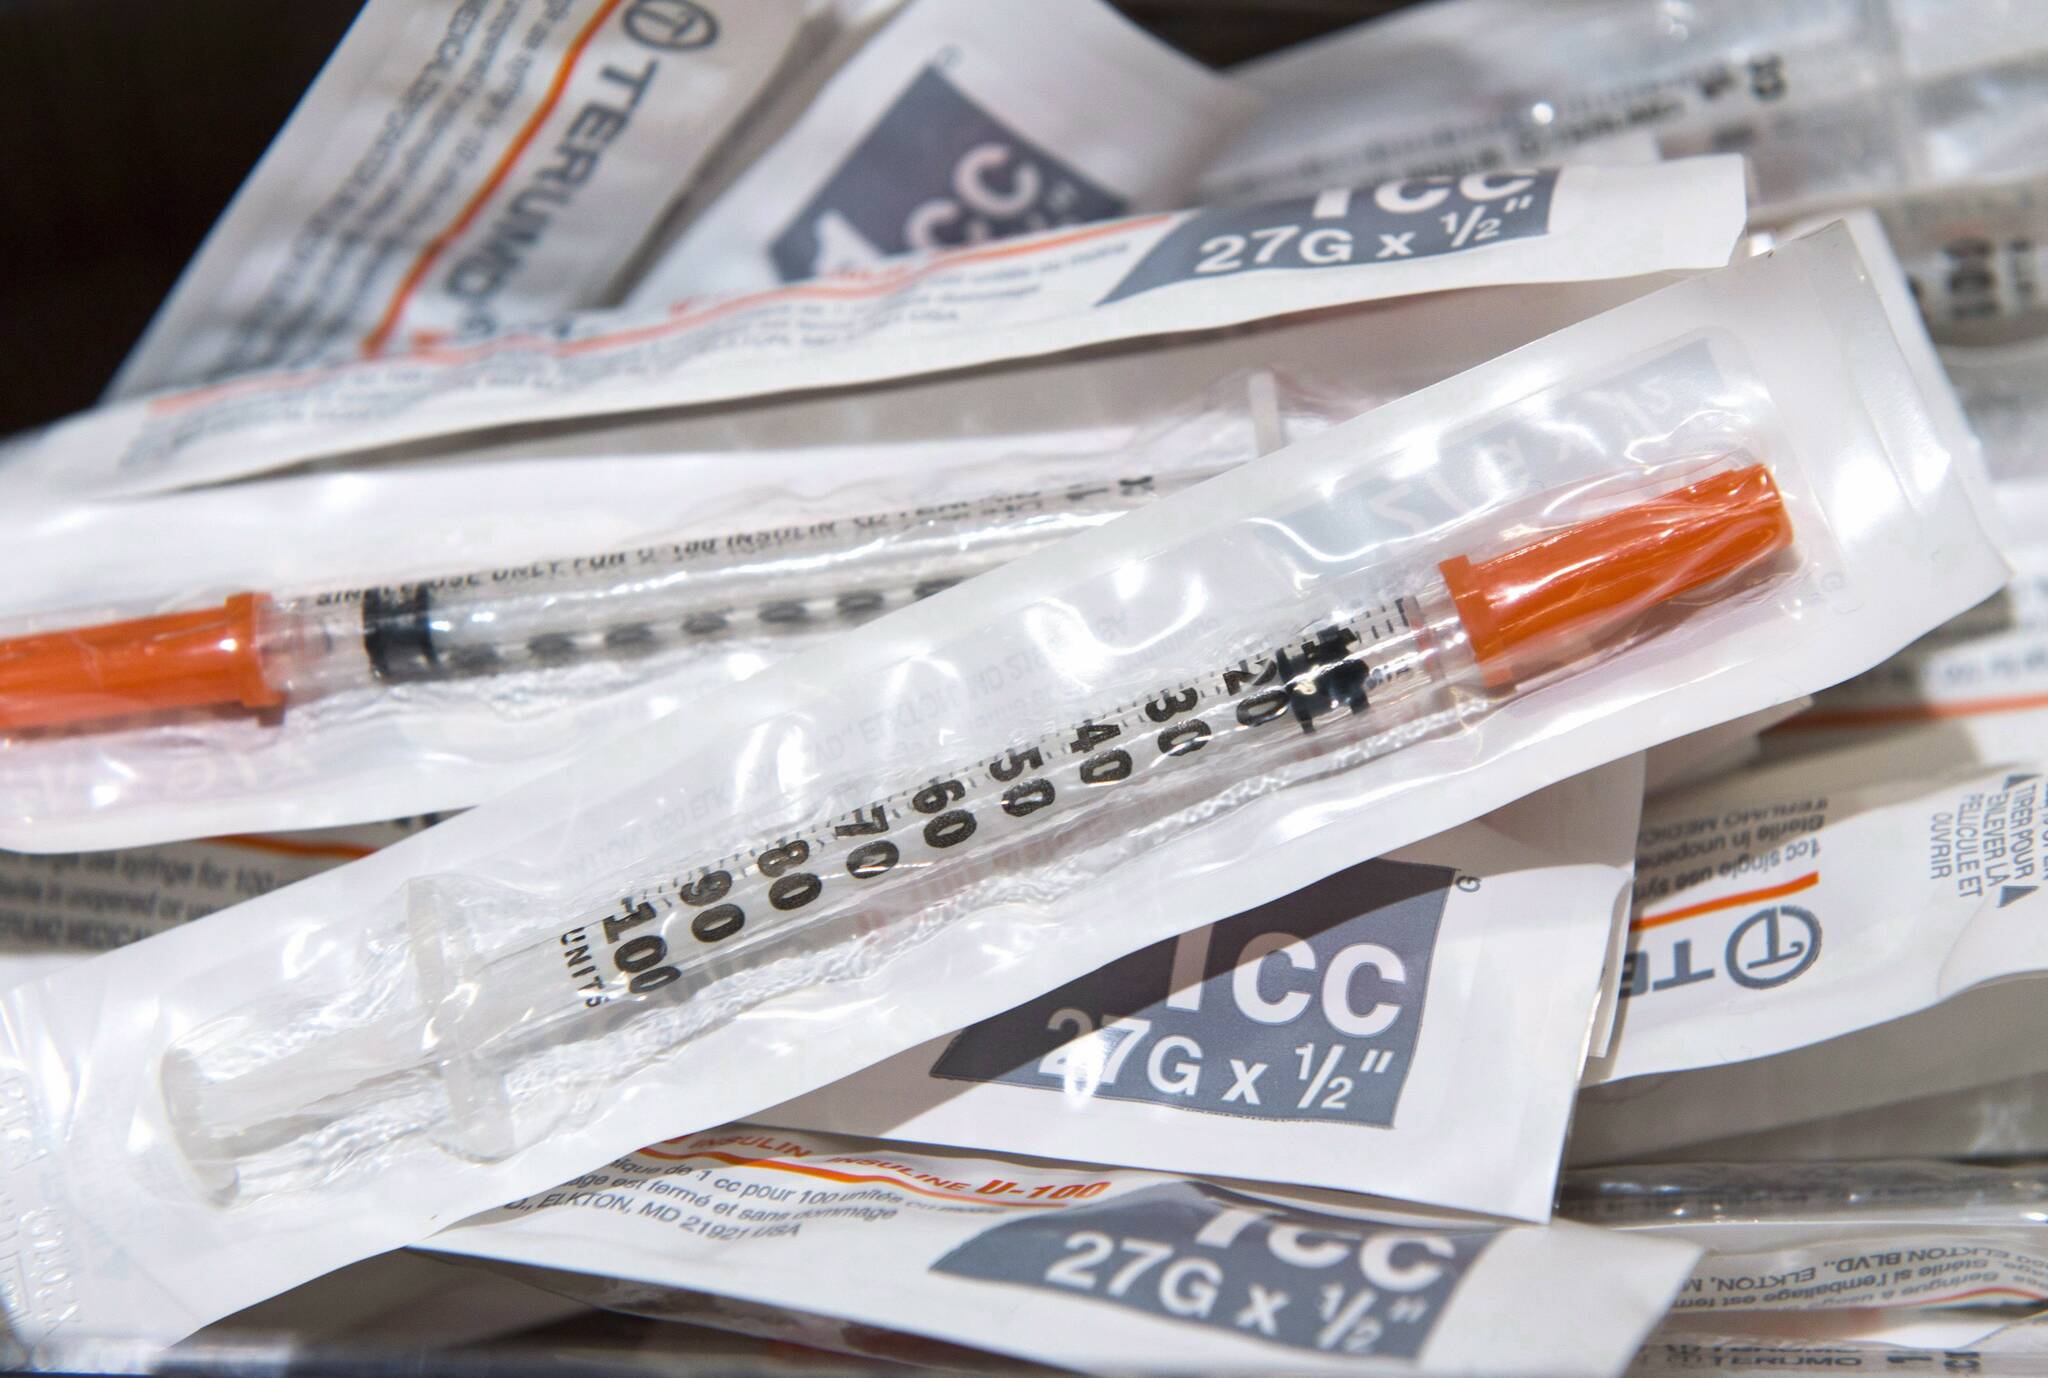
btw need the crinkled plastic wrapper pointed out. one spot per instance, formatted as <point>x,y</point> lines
<point>1693,507</point>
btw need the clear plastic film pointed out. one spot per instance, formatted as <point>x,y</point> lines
<point>1831,103</point>
<point>1833,1236</point>
<point>1690,508</point>
<point>486,1018</point>
<point>1876,1192</point>
<point>212,699</point>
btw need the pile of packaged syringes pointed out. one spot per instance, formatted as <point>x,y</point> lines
<point>914,679</point>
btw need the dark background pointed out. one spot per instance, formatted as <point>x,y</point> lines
<point>135,120</point>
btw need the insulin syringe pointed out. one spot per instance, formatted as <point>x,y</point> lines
<point>574,998</point>
<point>261,652</point>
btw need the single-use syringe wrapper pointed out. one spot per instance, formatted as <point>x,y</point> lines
<point>455,170</point>
<point>421,642</point>
<point>1049,293</point>
<point>1376,1031</point>
<point>1696,506</point>
<point>825,463</point>
<point>1091,1268</point>
<point>1831,103</point>
<point>1791,1236</point>
<point>1822,934</point>
<point>1979,681</point>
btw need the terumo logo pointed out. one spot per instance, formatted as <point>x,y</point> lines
<point>1773,946</point>
<point>936,170</point>
<point>671,25</point>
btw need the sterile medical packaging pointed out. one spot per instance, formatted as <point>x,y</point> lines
<point>62,907</point>
<point>1971,255</point>
<point>1805,1236</point>
<point>439,747</point>
<point>1371,636</point>
<point>1979,683</point>
<point>416,732</point>
<point>1105,1270</point>
<point>962,121</point>
<point>1975,256</point>
<point>459,168</point>
<point>1789,906</point>
<point>1832,103</point>
<point>1383,1030</point>
<point>924,313</point>
<point>225,709</point>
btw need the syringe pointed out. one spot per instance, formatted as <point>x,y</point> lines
<point>497,1040</point>
<point>263,652</point>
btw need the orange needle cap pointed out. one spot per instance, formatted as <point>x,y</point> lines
<point>1550,601</point>
<point>181,660</point>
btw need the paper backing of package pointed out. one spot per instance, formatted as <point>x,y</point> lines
<point>1832,103</point>
<point>1097,1269</point>
<point>961,122</point>
<point>1380,1031</point>
<point>1986,1035</point>
<point>1059,290</point>
<point>243,1053</point>
<point>458,169</point>
<point>1794,903</point>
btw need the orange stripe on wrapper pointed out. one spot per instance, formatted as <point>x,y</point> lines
<point>1693,911</point>
<point>380,334</point>
<point>831,1175</point>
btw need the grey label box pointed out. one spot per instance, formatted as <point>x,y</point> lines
<point>1191,1252</point>
<point>1305,1008</point>
<point>1419,217</point>
<point>936,170</point>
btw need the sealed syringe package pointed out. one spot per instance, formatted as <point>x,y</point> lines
<point>1104,1270</point>
<point>1783,909</point>
<point>1375,1031</point>
<point>934,311</point>
<point>454,171</point>
<point>1696,506</point>
<point>1832,103</point>
<point>961,122</point>
<point>1835,1236</point>
<point>207,707</point>
<point>1973,256</point>
<point>420,639</point>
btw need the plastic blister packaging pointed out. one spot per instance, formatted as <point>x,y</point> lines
<point>1426,612</point>
<point>444,746</point>
<point>57,908</point>
<point>1798,1236</point>
<point>1831,103</point>
<point>209,706</point>
<point>497,1004</point>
